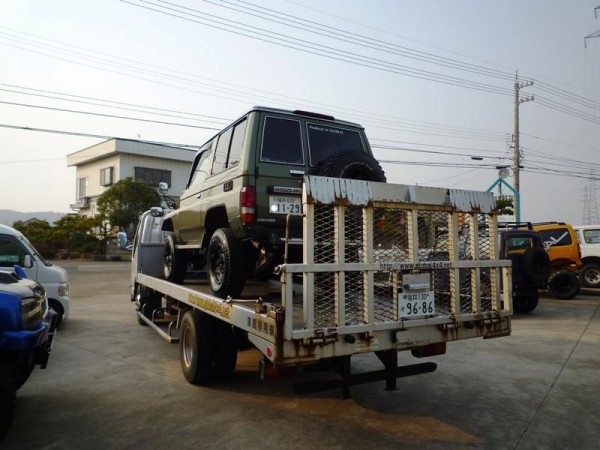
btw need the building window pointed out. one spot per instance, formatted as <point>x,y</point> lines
<point>106,176</point>
<point>153,176</point>
<point>81,188</point>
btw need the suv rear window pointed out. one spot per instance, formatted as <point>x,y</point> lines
<point>325,140</point>
<point>282,142</point>
<point>556,238</point>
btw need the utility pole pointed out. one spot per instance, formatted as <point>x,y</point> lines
<point>517,150</point>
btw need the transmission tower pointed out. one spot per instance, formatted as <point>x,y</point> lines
<point>590,204</point>
<point>595,34</point>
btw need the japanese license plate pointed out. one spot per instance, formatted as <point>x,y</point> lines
<point>411,304</point>
<point>281,204</point>
<point>416,298</point>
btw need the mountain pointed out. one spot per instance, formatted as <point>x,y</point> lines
<point>8,216</point>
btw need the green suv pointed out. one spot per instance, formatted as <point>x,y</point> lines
<point>244,186</point>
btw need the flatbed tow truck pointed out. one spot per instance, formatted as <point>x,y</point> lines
<point>374,279</point>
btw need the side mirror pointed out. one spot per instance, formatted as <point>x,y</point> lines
<point>27,261</point>
<point>163,188</point>
<point>122,239</point>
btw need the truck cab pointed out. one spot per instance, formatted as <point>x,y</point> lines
<point>15,249</point>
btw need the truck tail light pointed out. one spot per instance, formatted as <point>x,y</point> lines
<point>248,204</point>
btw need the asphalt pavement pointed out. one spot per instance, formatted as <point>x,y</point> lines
<point>113,384</point>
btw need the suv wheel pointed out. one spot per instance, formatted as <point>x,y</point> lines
<point>225,264</point>
<point>564,285</point>
<point>525,302</point>
<point>590,275</point>
<point>174,262</point>
<point>355,165</point>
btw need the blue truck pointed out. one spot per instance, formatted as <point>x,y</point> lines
<point>27,326</point>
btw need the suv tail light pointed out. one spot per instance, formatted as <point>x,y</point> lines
<point>248,204</point>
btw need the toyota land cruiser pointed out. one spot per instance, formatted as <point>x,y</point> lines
<point>244,186</point>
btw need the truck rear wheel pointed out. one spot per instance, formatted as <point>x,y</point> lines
<point>8,397</point>
<point>225,264</point>
<point>197,345</point>
<point>174,262</point>
<point>208,349</point>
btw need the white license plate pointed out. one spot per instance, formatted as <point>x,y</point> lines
<point>281,204</point>
<point>412,304</point>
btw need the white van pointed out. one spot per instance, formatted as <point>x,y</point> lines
<point>589,244</point>
<point>16,249</point>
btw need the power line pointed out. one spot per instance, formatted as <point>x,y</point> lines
<point>108,115</point>
<point>305,46</point>
<point>98,136</point>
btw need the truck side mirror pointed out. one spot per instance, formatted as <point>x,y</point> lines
<point>27,261</point>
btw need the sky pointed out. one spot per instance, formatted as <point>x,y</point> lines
<point>432,82</point>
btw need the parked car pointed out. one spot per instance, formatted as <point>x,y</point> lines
<point>563,250</point>
<point>589,244</point>
<point>15,249</point>
<point>530,265</point>
<point>26,329</point>
<point>243,185</point>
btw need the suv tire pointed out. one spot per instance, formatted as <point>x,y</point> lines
<point>525,302</point>
<point>225,264</point>
<point>536,265</point>
<point>174,262</point>
<point>564,285</point>
<point>590,275</point>
<point>8,394</point>
<point>355,165</point>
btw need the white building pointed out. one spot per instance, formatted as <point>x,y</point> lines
<point>100,166</point>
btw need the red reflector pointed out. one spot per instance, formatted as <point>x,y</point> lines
<point>269,352</point>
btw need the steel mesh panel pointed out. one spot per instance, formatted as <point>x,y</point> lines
<point>324,299</point>
<point>390,234</point>
<point>442,285</point>
<point>390,243</point>
<point>354,234</point>
<point>355,304</point>
<point>432,229</point>
<point>324,234</point>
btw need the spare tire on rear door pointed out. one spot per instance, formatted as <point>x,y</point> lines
<point>536,265</point>
<point>354,164</point>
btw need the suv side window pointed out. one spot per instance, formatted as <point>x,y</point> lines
<point>591,236</point>
<point>221,151</point>
<point>202,168</point>
<point>237,144</point>
<point>229,147</point>
<point>325,140</point>
<point>282,141</point>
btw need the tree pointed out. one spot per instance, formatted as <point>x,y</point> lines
<point>122,204</point>
<point>505,204</point>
